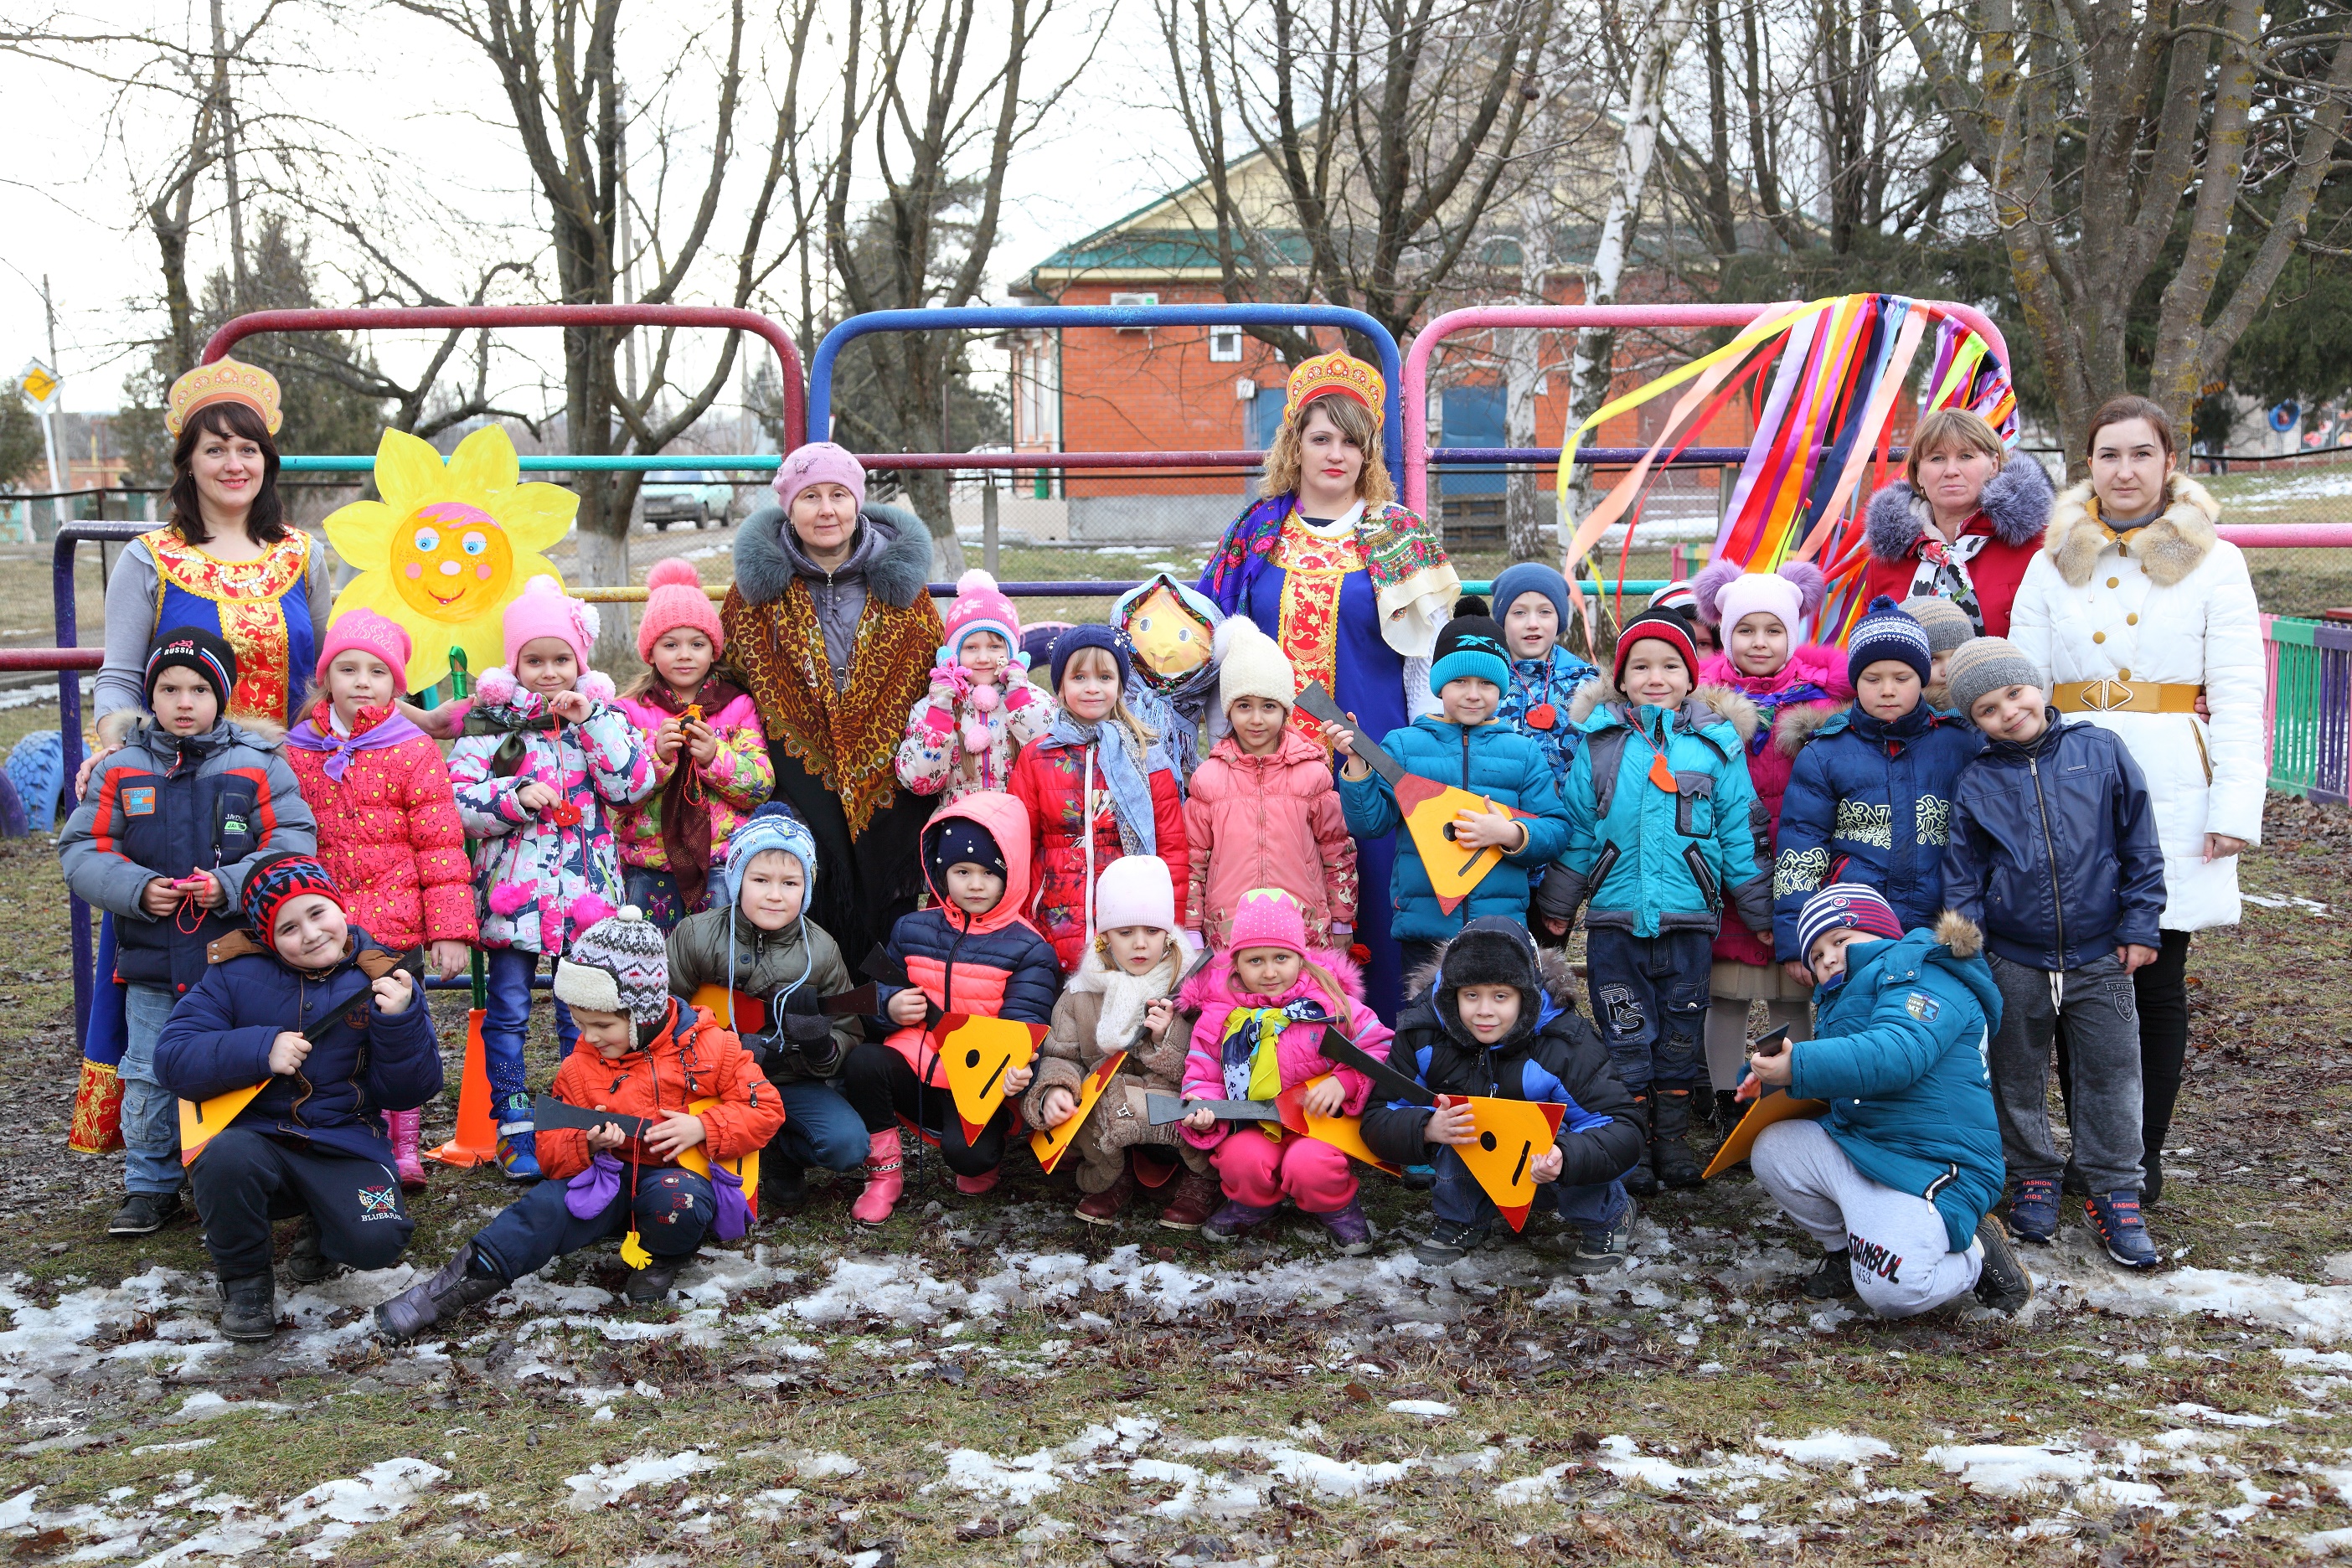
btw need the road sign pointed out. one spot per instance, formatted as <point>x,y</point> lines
<point>40,383</point>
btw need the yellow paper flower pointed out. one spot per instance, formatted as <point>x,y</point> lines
<point>448,547</point>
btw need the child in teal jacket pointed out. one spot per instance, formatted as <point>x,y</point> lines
<point>1469,748</point>
<point>1664,833</point>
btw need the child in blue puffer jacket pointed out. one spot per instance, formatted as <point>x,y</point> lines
<point>1531,605</point>
<point>1899,1179</point>
<point>1665,835</point>
<point>1870,796</point>
<point>1465,746</point>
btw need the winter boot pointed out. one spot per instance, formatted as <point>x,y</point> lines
<point>1727,1111</point>
<point>1598,1251</point>
<point>2151,1177</point>
<point>1103,1207</point>
<point>1670,1154</point>
<point>884,1179</point>
<point>2033,1210</point>
<point>2116,1218</point>
<point>1832,1277</point>
<point>981,1184</point>
<point>1351,1233</point>
<point>404,1127</point>
<point>1448,1242</point>
<point>518,1155</point>
<point>783,1187</point>
<point>307,1264</point>
<point>2002,1283</point>
<point>1233,1221</point>
<point>1196,1199</point>
<point>459,1285</point>
<point>144,1213</point>
<point>652,1283</point>
<point>1638,1180</point>
<point>248,1307</point>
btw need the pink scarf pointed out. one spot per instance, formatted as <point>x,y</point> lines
<point>377,728</point>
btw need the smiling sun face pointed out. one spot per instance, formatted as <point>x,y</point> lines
<point>449,545</point>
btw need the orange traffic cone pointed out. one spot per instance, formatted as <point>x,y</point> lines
<point>476,1141</point>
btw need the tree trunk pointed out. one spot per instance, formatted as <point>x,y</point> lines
<point>1527,499</point>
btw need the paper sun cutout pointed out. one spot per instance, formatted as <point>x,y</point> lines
<point>448,547</point>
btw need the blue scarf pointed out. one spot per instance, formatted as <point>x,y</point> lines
<point>1768,710</point>
<point>1552,681</point>
<point>1120,762</point>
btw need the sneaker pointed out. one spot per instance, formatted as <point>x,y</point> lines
<point>1832,1277</point>
<point>1597,1251</point>
<point>519,1156</point>
<point>1351,1233</point>
<point>652,1283</point>
<point>1234,1221</point>
<point>2034,1210</point>
<point>1419,1178</point>
<point>1449,1241</point>
<point>307,1264</point>
<point>2002,1283</point>
<point>144,1213</point>
<point>2116,1219</point>
<point>248,1307</point>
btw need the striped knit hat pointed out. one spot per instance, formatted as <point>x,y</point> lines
<point>193,648</point>
<point>1842,904</point>
<point>273,881</point>
<point>618,965</point>
<point>1885,632</point>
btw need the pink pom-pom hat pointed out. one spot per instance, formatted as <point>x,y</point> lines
<point>543,610</point>
<point>1268,917</point>
<point>364,631</point>
<point>1727,593</point>
<point>675,599</point>
<point>980,607</point>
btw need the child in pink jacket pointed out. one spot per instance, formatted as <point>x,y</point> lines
<point>1263,1010</point>
<point>1795,686</point>
<point>710,757</point>
<point>1263,811</point>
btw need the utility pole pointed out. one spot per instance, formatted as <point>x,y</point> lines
<point>227,112</point>
<point>56,403</point>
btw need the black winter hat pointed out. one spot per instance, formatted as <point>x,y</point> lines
<point>1492,950</point>
<point>193,648</point>
<point>1470,648</point>
<point>955,842</point>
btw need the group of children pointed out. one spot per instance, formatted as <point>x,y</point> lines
<point>1147,855</point>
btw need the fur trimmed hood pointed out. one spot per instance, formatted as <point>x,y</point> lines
<point>1960,933</point>
<point>1553,971</point>
<point>893,555</point>
<point>2016,501</point>
<point>1706,705</point>
<point>2168,548</point>
<point>1800,722</point>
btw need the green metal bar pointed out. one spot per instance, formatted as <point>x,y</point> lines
<point>1629,585</point>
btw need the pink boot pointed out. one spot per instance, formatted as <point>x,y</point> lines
<point>973,1186</point>
<point>403,1126</point>
<point>883,1181</point>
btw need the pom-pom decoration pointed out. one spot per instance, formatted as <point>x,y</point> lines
<point>449,546</point>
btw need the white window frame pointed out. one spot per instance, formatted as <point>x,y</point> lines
<point>1225,345</point>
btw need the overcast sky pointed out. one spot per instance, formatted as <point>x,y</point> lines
<point>415,118</point>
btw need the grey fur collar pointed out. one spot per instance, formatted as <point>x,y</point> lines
<point>894,575</point>
<point>2016,501</point>
<point>1706,705</point>
<point>2168,550</point>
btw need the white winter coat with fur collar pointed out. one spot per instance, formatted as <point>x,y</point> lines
<point>2167,602</point>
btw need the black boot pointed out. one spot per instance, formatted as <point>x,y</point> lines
<point>783,1188</point>
<point>1832,1277</point>
<point>2151,1168</point>
<point>250,1307</point>
<point>1638,1181</point>
<point>144,1213</point>
<point>307,1264</point>
<point>1727,1110</point>
<point>652,1283</point>
<point>437,1299</point>
<point>1670,1154</point>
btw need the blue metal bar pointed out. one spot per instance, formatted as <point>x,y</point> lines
<point>820,404</point>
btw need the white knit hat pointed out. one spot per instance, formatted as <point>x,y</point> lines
<point>618,965</point>
<point>1135,890</point>
<point>1252,663</point>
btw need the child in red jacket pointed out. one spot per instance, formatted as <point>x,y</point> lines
<point>650,1056</point>
<point>388,828</point>
<point>1097,787</point>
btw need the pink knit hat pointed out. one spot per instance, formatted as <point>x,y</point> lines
<point>1136,891</point>
<point>369,633</point>
<point>674,598</point>
<point>1268,917</point>
<point>1727,593</point>
<point>981,607</point>
<point>819,463</point>
<point>541,610</point>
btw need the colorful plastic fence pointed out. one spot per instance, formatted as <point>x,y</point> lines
<point>2311,708</point>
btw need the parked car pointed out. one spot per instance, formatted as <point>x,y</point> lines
<point>674,496</point>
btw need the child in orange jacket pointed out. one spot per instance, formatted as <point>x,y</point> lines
<point>652,1057</point>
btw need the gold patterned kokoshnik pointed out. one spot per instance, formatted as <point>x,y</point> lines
<point>1338,372</point>
<point>223,381</point>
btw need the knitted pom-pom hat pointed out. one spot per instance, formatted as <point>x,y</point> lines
<point>364,631</point>
<point>1268,917</point>
<point>1729,593</point>
<point>543,610</point>
<point>1948,625</point>
<point>1885,632</point>
<point>979,606</point>
<point>273,881</point>
<point>674,598</point>
<point>1252,663</point>
<point>1842,904</point>
<point>618,965</point>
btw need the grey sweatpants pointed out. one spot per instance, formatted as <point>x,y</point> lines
<point>2095,1005</point>
<point>1902,1259</point>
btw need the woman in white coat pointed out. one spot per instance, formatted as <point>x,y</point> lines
<point>2136,608</point>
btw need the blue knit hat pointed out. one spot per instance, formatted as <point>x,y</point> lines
<point>1842,904</point>
<point>1470,649</point>
<point>1886,631</point>
<point>1530,577</point>
<point>773,826</point>
<point>1111,639</point>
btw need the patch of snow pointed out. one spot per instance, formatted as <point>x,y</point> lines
<point>1021,1480</point>
<point>204,1405</point>
<point>2327,1542</point>
<point>607,1484</point>
<point>2324,1360</point>
<point>1627,1463</point>
<point>1829,1447</point>
<point>2186,1411</point>
<point>1435,1410</point>
<point>2008,1470</point>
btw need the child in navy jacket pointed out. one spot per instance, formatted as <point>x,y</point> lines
<point>306,1006</point>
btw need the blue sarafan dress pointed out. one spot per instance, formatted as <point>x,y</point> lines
<point>1356,603</point>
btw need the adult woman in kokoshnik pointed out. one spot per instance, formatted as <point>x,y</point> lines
<point>1354,587</point>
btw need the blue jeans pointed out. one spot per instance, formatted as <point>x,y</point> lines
<point>1650,999</point>
<point>150,1113</point>
<point>508,972</point>
<point>1459,1200</point>
<point>673,1208</point>
<point>820,1129</point>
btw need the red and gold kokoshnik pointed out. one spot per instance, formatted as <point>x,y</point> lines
<point>1337,371</point>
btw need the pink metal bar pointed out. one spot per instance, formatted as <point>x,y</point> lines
<point>1413,394</point>
<point>51,657</point>
<point>375,318</point>
<point>1061,459</point>
<point>2288,535</point>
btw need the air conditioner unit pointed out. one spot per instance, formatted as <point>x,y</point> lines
<point>1133,300</point>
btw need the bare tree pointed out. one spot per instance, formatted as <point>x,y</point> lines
<point>1349,149</point>
<point>2107,132</point>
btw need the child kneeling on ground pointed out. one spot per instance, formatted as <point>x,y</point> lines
<point>1495,1020</point>
<point>1123,998</point>
<point>1263,1010</point>
<point>309,1008</point>
<point>1898,1180</point>
<point>649,1056</point>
